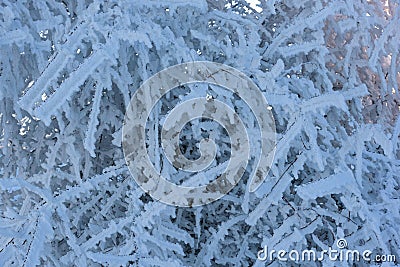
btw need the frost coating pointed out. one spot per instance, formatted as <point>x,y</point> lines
<point>141,105</point>
<point>210,109</point>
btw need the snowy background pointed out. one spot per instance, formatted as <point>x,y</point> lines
<point>329,69</point>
